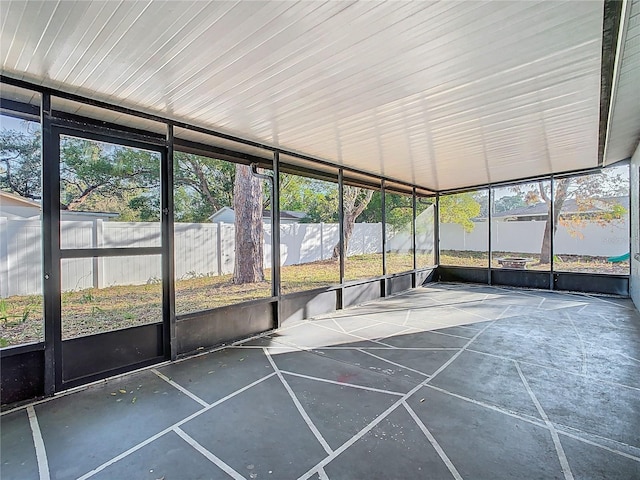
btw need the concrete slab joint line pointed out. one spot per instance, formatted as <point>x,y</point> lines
<point>583,351</point>
<point>208,455</point>
<point>503,312</point>
<point>387,412</point>
<point>598,380</point>
<point>180,388</point>
<point>298,405</point>
<point>406,319</point>
<point>361,328</point>
<point>338,325</point>
<point>566,470</point>
<point>342,384</point>
<point>519,416</point>
<point>561,429</point>
<point>484,335</point>
<point>172,428</point>
<point>441,453</point>
<point>38,442</point>
<point>356,336</point>
<point>322,475</point>
<point>393,363</point>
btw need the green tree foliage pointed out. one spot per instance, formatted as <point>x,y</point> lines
<point>398,212</point>
<point>509,202</point>
<point>398,208</point>
<point>104,177</point>
<point>372,213</point>
<point>20,161</point>
<point>94,176</point>
<point>318,199</point>
<point>596,200</point>
<point>459,208</point>
<point>189,206</point>
<point>97,176</point>
<point>202,186</point>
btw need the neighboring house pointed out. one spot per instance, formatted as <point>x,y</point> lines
<point>539,211</point>
<point>16,207</point>
<point>227,215</point>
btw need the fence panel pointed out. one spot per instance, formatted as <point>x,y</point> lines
<point>196,247</point>
<point>602,241</point>
<point>454,237</point>
<point>20,257</point>
<point>78,234</point>
<point>209,248</point>
<point>76,274</point>
<point>520,237</point>
<point>200,249</point>
<point>526,237</point>
<point>131,234</point>
<point>132,270</point>
<point>366,238</point>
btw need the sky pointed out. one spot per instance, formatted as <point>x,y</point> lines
<point>12,123</point>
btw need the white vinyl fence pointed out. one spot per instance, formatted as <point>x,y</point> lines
<point>526,237</point>
<point>201,249</point>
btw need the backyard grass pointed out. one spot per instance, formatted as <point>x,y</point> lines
<point>561,263</point>
<point>91,311</point>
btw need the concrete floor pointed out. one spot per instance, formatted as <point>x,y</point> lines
<point>446,381</point>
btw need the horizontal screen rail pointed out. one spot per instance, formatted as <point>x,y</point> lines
<point>109,252</point>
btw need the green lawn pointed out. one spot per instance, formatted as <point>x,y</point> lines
<point>93,310</point>
<point>561,263</point>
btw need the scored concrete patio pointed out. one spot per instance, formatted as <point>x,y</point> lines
<point>445,381</point>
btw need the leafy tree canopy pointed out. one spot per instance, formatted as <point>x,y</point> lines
<point>318,199</point>
<point>459,208</point>
<point>509,202</point>
<point>202,186</point>
<point>97,176</point>
<point>20,161</point>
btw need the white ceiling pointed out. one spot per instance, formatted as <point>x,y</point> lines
<point>624,125</point>
<point>440,94</point>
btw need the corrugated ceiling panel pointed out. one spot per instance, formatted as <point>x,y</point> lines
<point>443,94</point>
<point>21,95</point>
<point>109,116</point>
<point>210,140</point>
<point>624,132</point>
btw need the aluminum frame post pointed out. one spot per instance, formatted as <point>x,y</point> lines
<point>168,252</point>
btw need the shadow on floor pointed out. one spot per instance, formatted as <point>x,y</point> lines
<point>445,381</point>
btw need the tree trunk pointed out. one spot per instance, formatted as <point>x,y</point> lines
<point>249,236</point>
<point>551,225</point>
<point>545,252</point>
<point>349,224</point>
<point>354,204</point>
